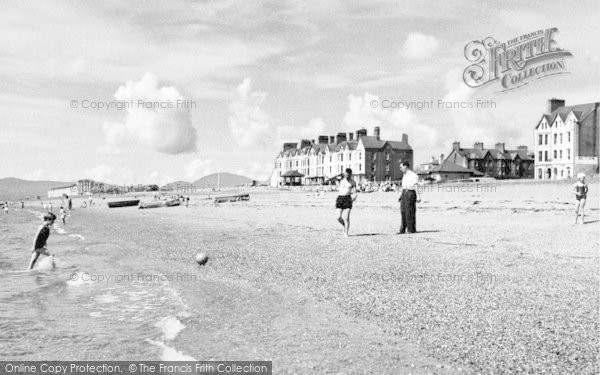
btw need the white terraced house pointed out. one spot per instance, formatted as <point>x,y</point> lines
<point>566,140</point>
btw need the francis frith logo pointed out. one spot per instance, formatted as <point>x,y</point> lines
<point>516,62</point>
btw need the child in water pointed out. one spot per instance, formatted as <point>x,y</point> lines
<point>39,242</point>
<point>63,215</point>
<point>580,189</point>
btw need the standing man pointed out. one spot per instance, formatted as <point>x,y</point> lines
<point>409,195</point>
<point>344,200</point>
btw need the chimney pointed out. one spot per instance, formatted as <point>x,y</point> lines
<point>323,139</point>
<point>478,146</point>
<point>456,146</point>
<point>289,146</point>
<point>332,139</point>
<point>341,137</point>
<point>304,143</point>
<point>500,147</point>
<point>404,138</point>
<point>350,136</point>
<point>361,132</point>
<point>441,158</point>
<point>377,132</point>
<point>432,159</point>
<point>554,104</point>
<point>522,148</point>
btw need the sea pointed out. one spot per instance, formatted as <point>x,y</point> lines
<point>90,302</point>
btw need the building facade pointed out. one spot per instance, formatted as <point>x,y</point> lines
<point>497,162</point>
<point>566,140</point>
<point>370,158</point>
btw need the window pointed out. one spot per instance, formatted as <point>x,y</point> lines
<point>341,157</point>
<point>569,154</point>
<point>561,138</point>
<point>568,136</point>
<point>387,168</point>
<point>546,139</point>
<point>359,156</point>
<point>540,156</point>
<point>554,154</point>
<point>555,136</point>
<point>560,154</point>
<point>540,138</point>
<point>387,156</point>
<point>374,156</point>
<point>546,155</point>
<point>540,173</point>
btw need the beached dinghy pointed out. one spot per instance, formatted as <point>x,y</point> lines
<point>233,198</point>
<point>133,202</point>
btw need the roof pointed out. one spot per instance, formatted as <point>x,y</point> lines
<point>449,167</point>
<point>371,142</point>
<point>63,187</point>
<point>293,173</point>
<point>581,112</point>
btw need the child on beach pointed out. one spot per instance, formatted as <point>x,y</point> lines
<point>39,242</point>
<point>63,215</point>
<point>580,189</point>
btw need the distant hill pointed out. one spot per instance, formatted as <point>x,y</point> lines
<point>14,188</point>
<point>225,180</point>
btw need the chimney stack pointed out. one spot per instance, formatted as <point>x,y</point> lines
<point>323,139</point>
<point>522,148</point>
<point>478,146</point>
<point>554,104</point>
<point>377,132</point>
<point>332,139</point>
<point>289,146</point>
<point>456,146</point>
<point>304,143</point>
<point>350,136</point>
<point>441,158</point>
<point>404,138</point>
<point>500,147</point>
<point>361,132</point>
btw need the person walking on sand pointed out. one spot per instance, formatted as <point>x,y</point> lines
<point>409,196</point>
<point>63,215</point>
<point>344,200</point>
<point>580,189</point>
<point>5,207</point>
<point>39,242</point>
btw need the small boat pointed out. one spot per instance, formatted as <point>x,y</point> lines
<point>151,204</point>
<point>173,202</point>
<point>133,202</point>
<point>233,198</point>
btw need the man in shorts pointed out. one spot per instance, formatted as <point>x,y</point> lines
<point>39,242</point>
<point>344,200</point>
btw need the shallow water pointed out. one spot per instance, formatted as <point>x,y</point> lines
<point>93,301</point>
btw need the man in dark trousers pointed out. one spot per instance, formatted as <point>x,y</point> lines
<point>409,196</point>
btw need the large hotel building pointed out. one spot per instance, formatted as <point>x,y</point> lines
<point>566,140</point>
<point>370,157</point>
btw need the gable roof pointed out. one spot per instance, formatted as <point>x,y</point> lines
<point>581,112</point>
<point>450,167</point>
<point>371,142</point>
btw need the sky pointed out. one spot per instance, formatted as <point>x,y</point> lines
<point>244,77</point>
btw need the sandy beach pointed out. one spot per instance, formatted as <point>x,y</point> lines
<point>497,280</point>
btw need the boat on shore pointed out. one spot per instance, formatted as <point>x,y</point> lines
<point>232,198</point>
<point>127,203</point>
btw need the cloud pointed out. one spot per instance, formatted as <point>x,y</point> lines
<point>198,168</point>
<point>419,46</point>
<point>257,171</point>
<point>107,174</point>
<point>160,123</point>
<point>391,121</point>
<point>248,122</point>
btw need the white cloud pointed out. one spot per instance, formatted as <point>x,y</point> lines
<point>163,125</point>
<point>392,122</point>
<point>198,168</point>
<point>248,122</point>
<point>107,174</point>
<point>419,46</point>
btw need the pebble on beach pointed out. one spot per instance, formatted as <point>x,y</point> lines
<point>201,258</point>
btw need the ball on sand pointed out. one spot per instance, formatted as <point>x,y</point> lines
<point>201,258</point>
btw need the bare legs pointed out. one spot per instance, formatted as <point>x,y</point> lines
<point>579,210</point>
<point>344,219</point>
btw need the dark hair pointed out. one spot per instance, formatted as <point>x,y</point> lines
<point>49,217</point>
<point>406,164</point>
<point>348,170</point>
